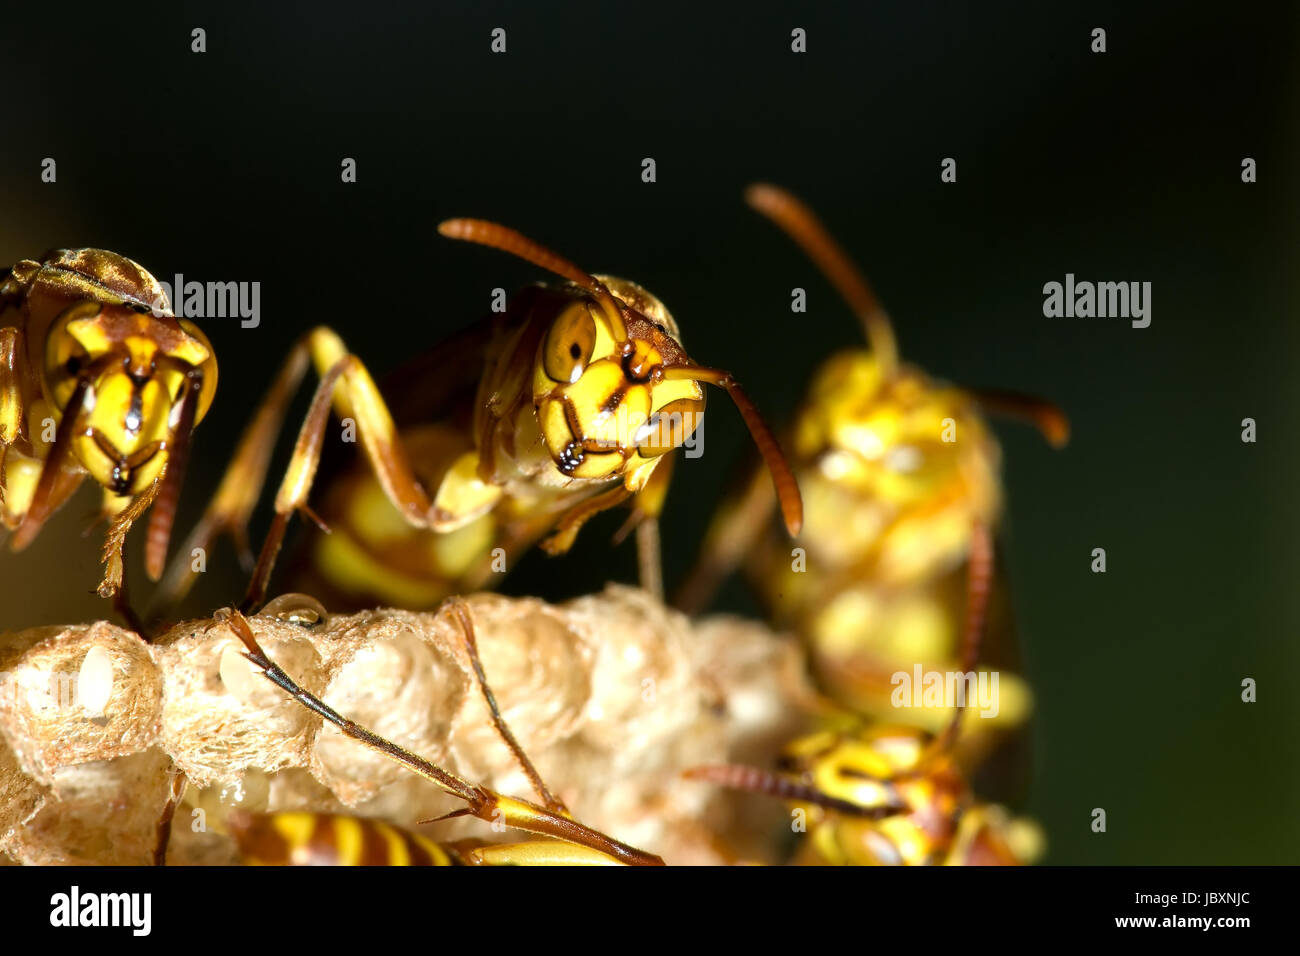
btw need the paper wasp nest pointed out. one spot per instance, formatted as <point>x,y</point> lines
<point>611,695</point>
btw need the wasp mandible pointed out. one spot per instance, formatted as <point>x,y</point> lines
<point>97,378</point>
<point>567,404</point>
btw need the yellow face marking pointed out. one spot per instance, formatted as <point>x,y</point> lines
<point>605,408</point>
<point>595,406</point>
<point>90,334</point>
<point>122,439</point>
<point>589,423</point>
<point>191,351</point>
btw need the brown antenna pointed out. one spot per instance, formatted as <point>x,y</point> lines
<point>787,488</point>
<point>1051,421</point>
<point>756,780</point>
<point>802,225</point>
<point>501,237</point>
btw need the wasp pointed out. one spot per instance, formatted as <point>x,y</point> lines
<point>569,403</point>
<point>97,378</point>
<point>281,838</point>
<point>328,839</point>
<point>895,469</point>
<point>873,793</point>
<point>883,795</point>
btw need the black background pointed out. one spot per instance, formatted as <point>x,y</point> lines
<point>1121,166</point>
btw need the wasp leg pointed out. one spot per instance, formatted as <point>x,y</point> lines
<point>113,584</point>
<point>353,393</point>
<point>178,783</point>
<point>461,612</point>
<point>483,803</point>
<point>463,495</point>
<point>20,477</point>
<point>21,460</point>
<point>15,385</point>
<point>647,507</point>
<point>572,520</point>
<point>13,425</point>
<point>649,558</point>
<point>783,480</point>
<point>241,486</point>
<point>731,536</point>
<point>345,385</point>
<point>1051,421</point>
<point>36,491</point>
<point>537,853</point>
<point>516,537</point>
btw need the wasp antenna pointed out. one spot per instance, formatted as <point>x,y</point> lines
<point>1049,419</point>
<point>482,803</point>
<point>448,782</point>
<point>787,488</point>
<point>497,236</point>
<point>802,225</point>
<point>755,780</point>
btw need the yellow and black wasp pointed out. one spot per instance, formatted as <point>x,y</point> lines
<point>881,793</point>
<point>296,838</point>
<point>895,470</point>
<point>567,404</point>
<point>97,378</point>
<point>884,795</point>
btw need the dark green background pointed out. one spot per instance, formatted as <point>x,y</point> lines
<point>1122,166</point>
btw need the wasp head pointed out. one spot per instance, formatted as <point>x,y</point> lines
<point>602,398</point>
<point>130,362</point>
<point>896,437</point>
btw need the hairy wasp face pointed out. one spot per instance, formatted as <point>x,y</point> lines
<point>603,406</point>
<point>894,468</point>
<point>128,365</point>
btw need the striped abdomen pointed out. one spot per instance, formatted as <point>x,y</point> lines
<point>326,839</point>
